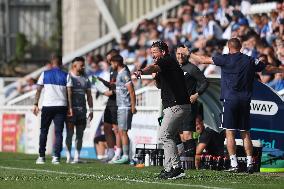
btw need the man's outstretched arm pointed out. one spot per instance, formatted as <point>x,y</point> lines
<point>201,59</point>
<point>153,68</point>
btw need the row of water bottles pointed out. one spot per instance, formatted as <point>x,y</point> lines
<point>147,157</point>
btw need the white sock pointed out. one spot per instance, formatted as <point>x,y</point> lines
<point>117,152</point>
<point>249,160</point>
<point>77,154</point>
<point>100,156</point>
<point>68,154</point>
<point>110,152</point>
<point>233,159</point>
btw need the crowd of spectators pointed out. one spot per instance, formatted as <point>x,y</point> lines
<point>205,26</point>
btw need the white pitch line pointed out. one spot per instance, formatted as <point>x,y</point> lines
<point>100,177</point>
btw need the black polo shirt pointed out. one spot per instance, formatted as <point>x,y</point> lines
<point>112,99</point>
<point>214,141</point>
<point>237,75</point>
<point>172,82</point>
<point>194,79</point>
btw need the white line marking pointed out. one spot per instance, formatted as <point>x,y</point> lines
<point>103,177</point>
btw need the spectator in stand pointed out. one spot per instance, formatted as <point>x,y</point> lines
<point>28,85</point>
<point>264,32</point>
<point>210,28</point>
<point>223,12</point>
<point>249,46</point>
<point>263,76</point>
<point>278,82</point>
<point>94,68</point>
<point>188,27</point>
<point>125,51</point>
<point>244,28</point>
<point>154,35</point>
<point>141,59</point>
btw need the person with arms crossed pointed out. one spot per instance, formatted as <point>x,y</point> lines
<point>126,102</point>
<point>56,103</point>
<point>196,84</point>
<point>81,88</point>
<point>175,102</point>
<point>237,77</point>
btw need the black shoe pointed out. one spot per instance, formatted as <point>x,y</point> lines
<point>233,170</point>
<point>163,173</point>
<point>175,173</point>
<point>250,169</point>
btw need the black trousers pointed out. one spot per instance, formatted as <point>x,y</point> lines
<point>57,114</point>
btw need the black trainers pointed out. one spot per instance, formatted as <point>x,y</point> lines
<point>250,169</point>
<point>233,170</point>
<point>163,173</point>
<point>175,173</point>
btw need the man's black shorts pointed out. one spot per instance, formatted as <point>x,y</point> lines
<point>189,122</point>
<point>110,115</point>
<point>236,115</point>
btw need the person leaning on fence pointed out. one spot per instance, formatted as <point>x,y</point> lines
<point>237,77</point>
<point>56,104</point>
<point>175,102</point>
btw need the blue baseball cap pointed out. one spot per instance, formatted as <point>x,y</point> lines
<point>235,27</point>
<point>243,21</point>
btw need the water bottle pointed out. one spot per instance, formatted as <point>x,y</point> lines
<point>219,163</point>
<point>202,161</point>
<point>211,162</point>
<point>160,158</point>
<point>154,158</point>
<point>88,124</point>
<point>147,160</point>
<point>226,163</point>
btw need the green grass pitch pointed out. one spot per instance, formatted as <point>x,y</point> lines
<point>19,171</point>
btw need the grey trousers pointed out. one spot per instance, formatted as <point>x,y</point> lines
<point>172,121</point>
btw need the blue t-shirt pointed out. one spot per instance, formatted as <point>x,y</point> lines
<point>237,75</point>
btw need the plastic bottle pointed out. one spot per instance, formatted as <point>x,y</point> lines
<point>160,158</point>
<point>88,124</point>
<point>147,160</point>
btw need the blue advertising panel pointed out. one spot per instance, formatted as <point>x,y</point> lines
<point>267,122</point>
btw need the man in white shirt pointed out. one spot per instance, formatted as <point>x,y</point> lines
<point>54,106</point>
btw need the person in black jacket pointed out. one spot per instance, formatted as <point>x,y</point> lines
<point>196,84</point>
<point>175,102</point>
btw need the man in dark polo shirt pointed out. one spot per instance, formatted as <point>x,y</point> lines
<point>209,139</point>
<point>237,76</point>
<point>196,84</point>
<point>110,114</point>
<point>175,102</point>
